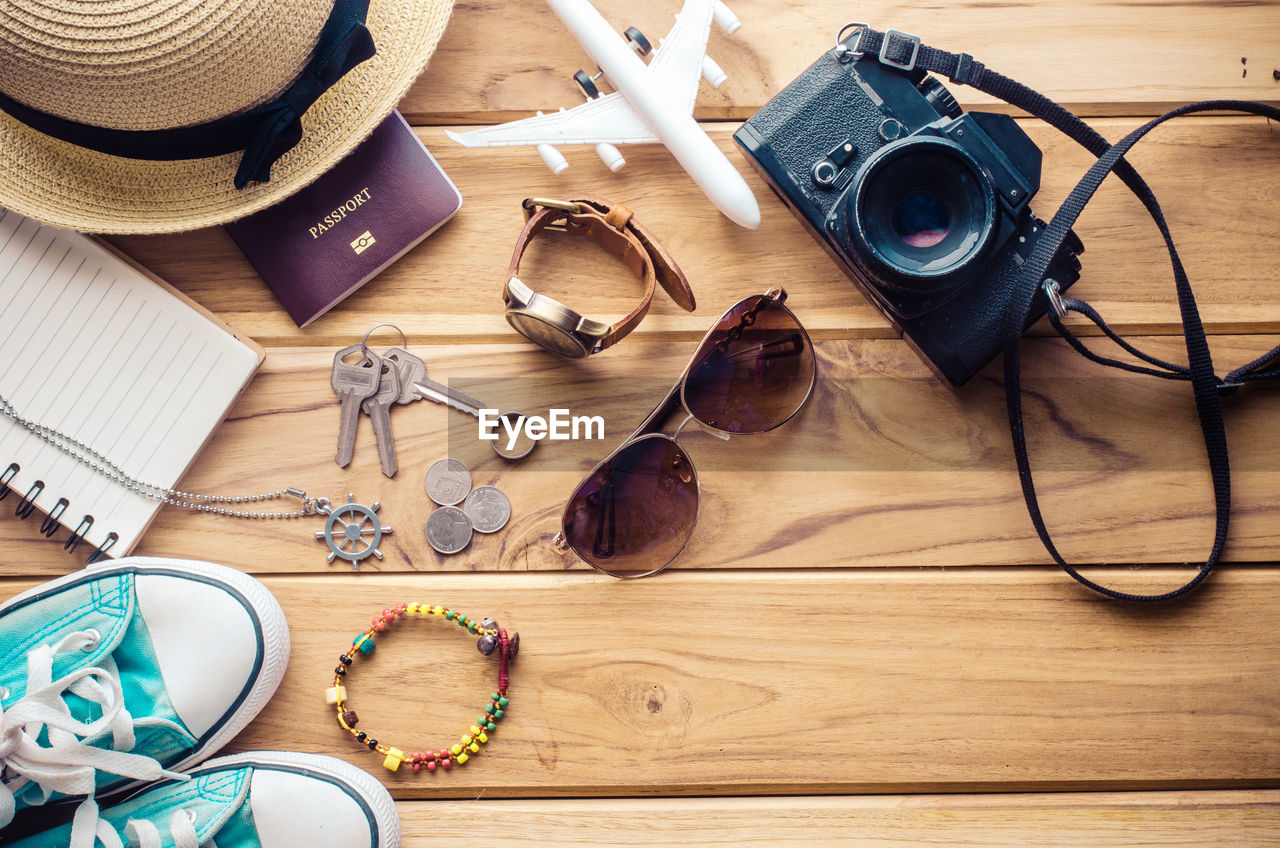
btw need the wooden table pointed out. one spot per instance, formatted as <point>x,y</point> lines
<point>865,642</point>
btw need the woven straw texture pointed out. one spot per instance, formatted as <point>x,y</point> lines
<point>148,64</point>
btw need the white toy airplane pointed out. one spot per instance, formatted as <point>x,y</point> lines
<point>652,102</point>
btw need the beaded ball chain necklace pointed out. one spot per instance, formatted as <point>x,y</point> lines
<point>352,531</point>
<point>493,639</point>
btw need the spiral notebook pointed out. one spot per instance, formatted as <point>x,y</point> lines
<point>109,355</point>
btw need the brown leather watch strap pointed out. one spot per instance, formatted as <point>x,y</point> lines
<point>614,227</point>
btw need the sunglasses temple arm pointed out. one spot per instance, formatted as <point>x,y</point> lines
<point>606,529</point>
<point>794,346</point>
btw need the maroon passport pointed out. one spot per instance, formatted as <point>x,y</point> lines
<point>321,244</point>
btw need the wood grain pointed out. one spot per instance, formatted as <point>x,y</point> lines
<point>861,478</point>
<point>1242,819</point>
<point>890,681</point>
<point>800,683</point>
<point>864,607</point>
<point>448,290</point>
<point>501,60</point>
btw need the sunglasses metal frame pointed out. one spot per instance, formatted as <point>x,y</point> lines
<point>675,399</point>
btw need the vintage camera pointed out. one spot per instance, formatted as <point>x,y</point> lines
<point>925,206</point>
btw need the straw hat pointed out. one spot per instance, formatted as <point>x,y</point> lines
<point>105,66</point>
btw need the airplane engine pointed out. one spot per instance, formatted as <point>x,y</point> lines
<point>555,161</point>
<point>726,18</point>
<point>712,72</point>
<point>610,155</point>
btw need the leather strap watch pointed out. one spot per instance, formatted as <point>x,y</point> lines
<point>552,325</point>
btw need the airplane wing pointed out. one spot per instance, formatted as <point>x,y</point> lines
<point>677,63</point>
<point>606,119</point>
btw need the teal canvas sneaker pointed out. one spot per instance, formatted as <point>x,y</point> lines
<point>265,799</point>
<point>128,672</point>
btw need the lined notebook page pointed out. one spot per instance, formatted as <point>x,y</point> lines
<point>93,348</point>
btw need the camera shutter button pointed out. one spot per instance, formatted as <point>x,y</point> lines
<point>824,173</point>
<point>891,129</point>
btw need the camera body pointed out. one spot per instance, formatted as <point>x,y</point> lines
<point>925,206</point>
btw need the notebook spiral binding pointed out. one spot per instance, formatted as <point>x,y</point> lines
<point>49,525</point>
<point>77,535</point>
<point>28,502</point>
<point>8,475</point>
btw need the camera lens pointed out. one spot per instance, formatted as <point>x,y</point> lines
<point>923,211</point>
<point>921,218</point>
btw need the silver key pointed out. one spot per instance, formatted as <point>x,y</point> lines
<point>378,408</point>
<point>411,369</point>
<point>522,447</point>
<point>440,393</point>
<point>416,385</point>
<point>353,382</point>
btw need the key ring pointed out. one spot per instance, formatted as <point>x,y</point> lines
<point>516,452</point>
<point>364,342</point>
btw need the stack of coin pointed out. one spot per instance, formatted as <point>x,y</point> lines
<point>484,509</point>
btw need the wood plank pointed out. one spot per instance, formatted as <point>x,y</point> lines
<point>886,466</point>
<point>1243,819</point>
<point>799,683</point>
<point>1215,177</point>
<point>864,607</point>
<point>774,683</point>
<point>498,61</point>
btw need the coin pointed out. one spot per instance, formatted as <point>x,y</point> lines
<point>523,445</point>
<point>448,530</point>
<point>447,482</point>
<point>488,509</point>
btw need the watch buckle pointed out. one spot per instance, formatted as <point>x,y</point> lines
<point>532,204</point>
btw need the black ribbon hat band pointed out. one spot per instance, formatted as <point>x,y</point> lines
<point>264,133</point>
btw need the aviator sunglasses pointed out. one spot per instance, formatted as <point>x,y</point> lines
<point>635,512</point>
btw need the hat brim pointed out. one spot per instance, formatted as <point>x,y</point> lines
<point>79,189</point>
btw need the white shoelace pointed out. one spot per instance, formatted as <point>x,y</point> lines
<point>66,764</point>
<point>144,834</point>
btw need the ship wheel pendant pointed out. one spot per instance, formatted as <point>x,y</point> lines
<point>353,531</point>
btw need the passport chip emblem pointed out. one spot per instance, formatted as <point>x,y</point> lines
<point>362,242</point>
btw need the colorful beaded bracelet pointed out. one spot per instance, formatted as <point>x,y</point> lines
<point>492,638</point>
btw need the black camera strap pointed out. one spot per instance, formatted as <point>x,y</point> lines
<point>906,53</point>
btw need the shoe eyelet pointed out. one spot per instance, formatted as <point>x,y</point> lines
<point>94,638</point>
<point>190,814</point>
<point>4,692</point>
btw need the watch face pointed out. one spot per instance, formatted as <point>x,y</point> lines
<point>546,335</point>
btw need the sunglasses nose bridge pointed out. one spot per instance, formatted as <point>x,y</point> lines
<point>689,416</point>
<point>675,437</point>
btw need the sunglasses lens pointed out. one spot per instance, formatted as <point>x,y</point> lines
<point>754,371</point>
<point>635,513</point>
